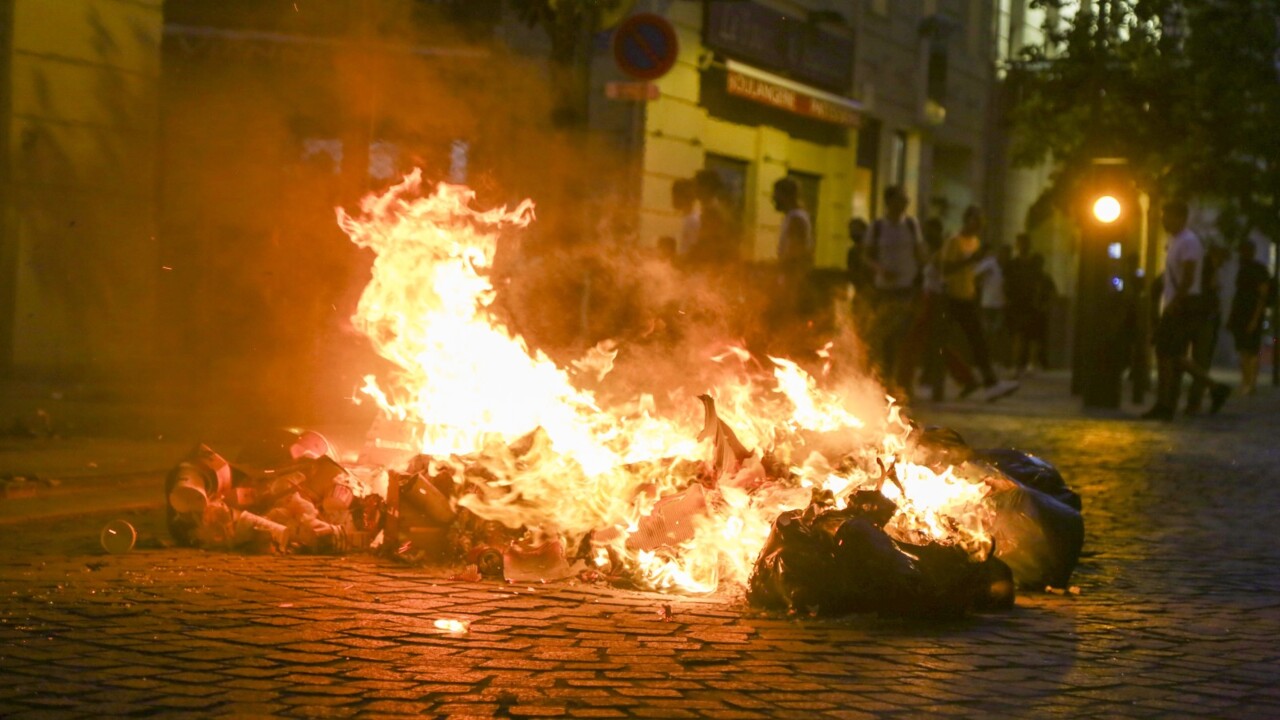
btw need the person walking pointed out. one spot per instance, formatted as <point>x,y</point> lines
<point>895,253</point>
<point>926,337</point>
<point>1204,338</point>
<point>1181,314</point>
<point>1255,290</point>
<point>960,257</point>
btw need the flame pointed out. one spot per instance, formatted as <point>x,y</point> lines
<point>557,462</point>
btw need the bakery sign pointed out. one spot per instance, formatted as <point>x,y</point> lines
<point>766,88</point>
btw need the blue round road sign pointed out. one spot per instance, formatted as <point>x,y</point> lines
<point>645,46</point>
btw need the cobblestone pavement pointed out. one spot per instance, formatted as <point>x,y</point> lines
<point>1178,615</point>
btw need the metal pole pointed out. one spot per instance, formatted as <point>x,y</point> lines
<point>1275,315</point>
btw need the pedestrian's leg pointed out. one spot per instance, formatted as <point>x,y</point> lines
<point>1248,373</point>
<point>959,371</point>
<point>965,313</point>
<point>913,346</point>
<point>1203,343</point>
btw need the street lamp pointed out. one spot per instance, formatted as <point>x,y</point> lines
<point>1102,344</point>
<point>1106,209</point>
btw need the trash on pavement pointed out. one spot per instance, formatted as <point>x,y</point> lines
<point>118,537</point>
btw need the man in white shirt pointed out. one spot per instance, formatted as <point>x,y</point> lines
<point>1182,312</point>
<point>896,254</point>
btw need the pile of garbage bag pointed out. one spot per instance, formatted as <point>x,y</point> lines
<point>836,561</point>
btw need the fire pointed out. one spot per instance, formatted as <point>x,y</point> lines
<point>558,462</point>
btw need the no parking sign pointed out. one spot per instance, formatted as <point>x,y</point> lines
<point>645,46</point>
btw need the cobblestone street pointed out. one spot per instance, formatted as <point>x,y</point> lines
<point>1177,615</point>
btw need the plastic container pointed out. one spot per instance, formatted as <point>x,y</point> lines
<point>118,537</point>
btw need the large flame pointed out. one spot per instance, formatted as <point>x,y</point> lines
<point>681,512</point>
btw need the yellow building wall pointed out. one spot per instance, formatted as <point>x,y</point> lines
<point>679,134</point>
<point>83,137</point>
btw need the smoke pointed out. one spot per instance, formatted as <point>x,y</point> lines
<point>273,115</point>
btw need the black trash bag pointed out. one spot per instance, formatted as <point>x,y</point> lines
<point>837,562</point>
<point>793,571</point>
<point>1035,534</point>
<point>1032,472</point>
<point>1037,527</point>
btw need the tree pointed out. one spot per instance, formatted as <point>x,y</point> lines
<point>1233,151</point>
<point>1103,84</point>
<point>1186,90</point>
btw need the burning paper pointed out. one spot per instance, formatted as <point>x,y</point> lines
<point>532,450</point>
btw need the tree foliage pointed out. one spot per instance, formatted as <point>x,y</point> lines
<point>1186,90</point>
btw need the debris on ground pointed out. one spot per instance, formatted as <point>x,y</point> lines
<point>836,555</point>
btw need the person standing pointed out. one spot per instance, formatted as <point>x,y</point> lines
<point>1037,304</point>
<point>684,199</point>
<point>1181,314</point>
<point>1254,291</point>
<point>717,243</point>
<point>795,251</point>
<point>1017,294</point>
<point>960,257</point>
<point>895,254</point>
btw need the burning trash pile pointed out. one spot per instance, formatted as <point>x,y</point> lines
<point>809,491</point>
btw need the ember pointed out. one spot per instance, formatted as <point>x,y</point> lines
<point>812,491</point>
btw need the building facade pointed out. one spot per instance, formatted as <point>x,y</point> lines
<point>79,111</point>
<point>904,97</point>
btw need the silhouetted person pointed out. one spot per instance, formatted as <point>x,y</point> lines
<point>1182,312</point>
<point>895,253</point>
<point>684,200</point>
<point>1017,296</point>
<point>960,257</point>
<point>859,272</point>
<point>717,242</point>
<point>1254,292</point>
<point>1204,338</point>
<point>927,336</point>
<point>795,251</point>
<point>1037,304</point>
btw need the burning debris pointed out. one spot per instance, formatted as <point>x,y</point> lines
<point>808,490</point>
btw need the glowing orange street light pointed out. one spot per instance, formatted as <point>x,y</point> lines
<point>1106,209</point>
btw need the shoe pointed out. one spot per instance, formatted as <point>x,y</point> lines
<point>1004,388</point>
<point>1158,413</point>
<point>968,390</point>
<point>1218,397</point>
